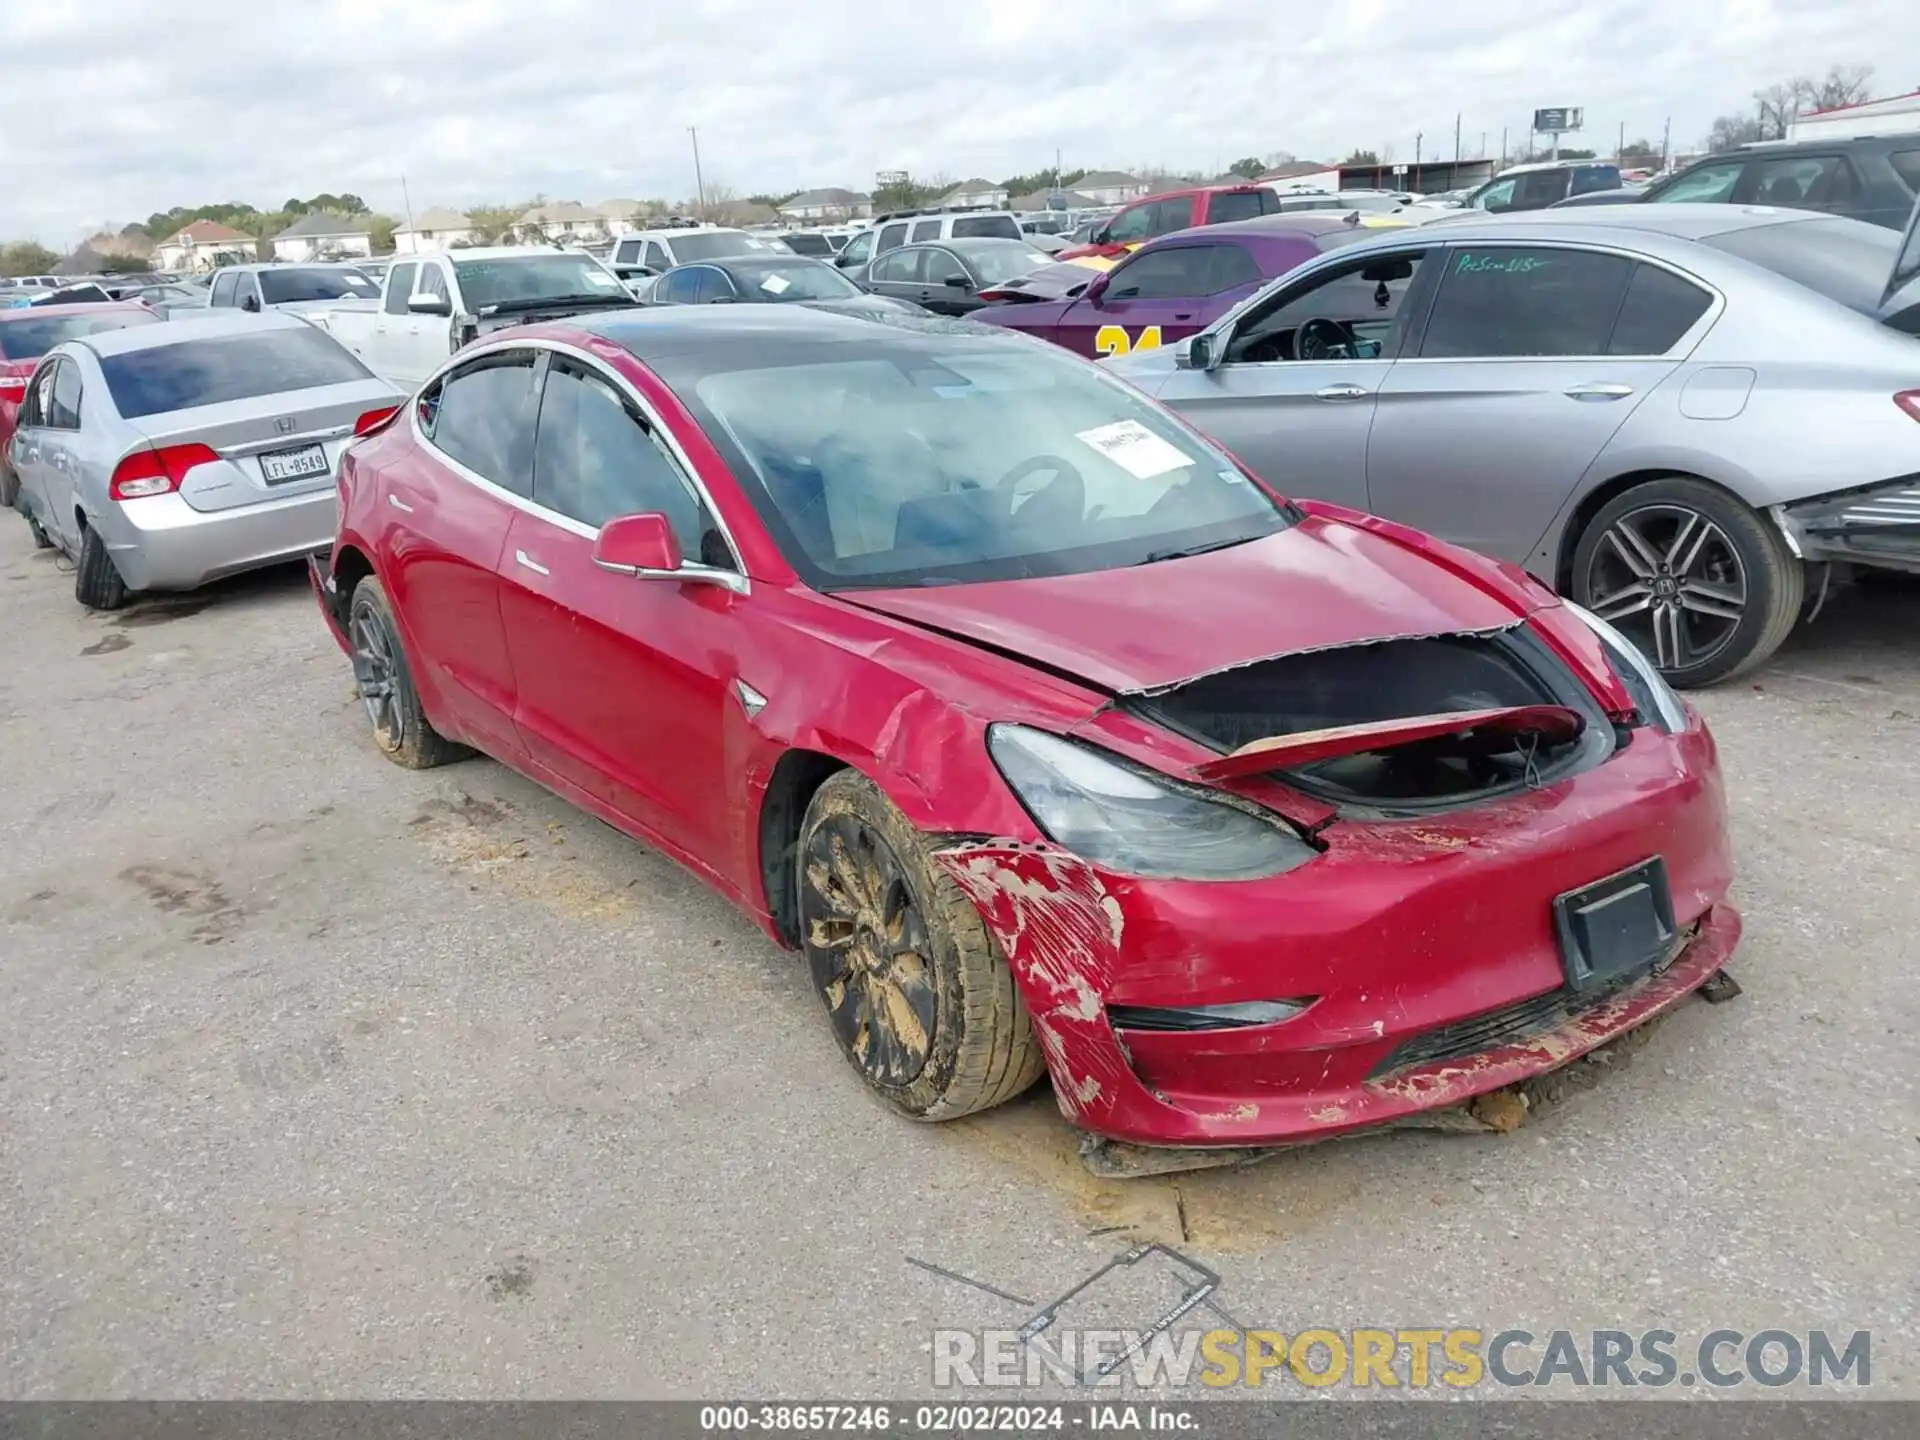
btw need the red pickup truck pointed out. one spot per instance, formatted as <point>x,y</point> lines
<point>1133,225</point>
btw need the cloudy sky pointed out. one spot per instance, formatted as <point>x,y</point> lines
<point>111,109</point>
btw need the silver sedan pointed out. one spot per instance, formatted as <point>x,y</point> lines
<point>161,457</point>
<point>1681,416</point>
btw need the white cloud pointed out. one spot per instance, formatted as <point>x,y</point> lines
<point>116,109</point>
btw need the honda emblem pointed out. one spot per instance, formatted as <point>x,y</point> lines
<point>284,424</point>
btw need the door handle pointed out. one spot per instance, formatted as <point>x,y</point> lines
<point>397,503</point>
<point>1599,390</point>
<point>1342,392</point>
<point>1183,315</point>
<point>522,558</point>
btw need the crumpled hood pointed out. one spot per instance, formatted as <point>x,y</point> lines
<point>1320,584</point>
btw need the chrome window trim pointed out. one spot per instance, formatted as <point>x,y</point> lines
<point>736,579</point>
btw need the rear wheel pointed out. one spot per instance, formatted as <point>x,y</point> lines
<point>1698,580</point>
<point>919,996</point>
<point>96,583</point>
<point>392,705</point>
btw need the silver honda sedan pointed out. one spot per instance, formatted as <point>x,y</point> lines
<point>164,456</point>
<point>1681,416</point>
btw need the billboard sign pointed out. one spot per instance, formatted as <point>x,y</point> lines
<point>1557,120</point>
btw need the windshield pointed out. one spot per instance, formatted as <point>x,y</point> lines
<point>30,339</point>
<point>517,279</point>
<point>796,279</point>
<point>993,263</point>
<point>714,244</point>
<point>928,456</point>
<point>214,370</point>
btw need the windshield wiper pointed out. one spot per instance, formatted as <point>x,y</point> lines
<point>1155,556</point>
<point>541,302</point>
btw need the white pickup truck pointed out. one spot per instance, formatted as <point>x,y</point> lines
<point>431,305</point>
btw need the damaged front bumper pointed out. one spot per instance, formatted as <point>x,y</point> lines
<point>1422,956</point>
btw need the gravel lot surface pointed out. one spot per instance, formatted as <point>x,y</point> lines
<point>322,1078</point>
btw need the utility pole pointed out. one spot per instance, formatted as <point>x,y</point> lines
<point>1621,148</point>
<point>1503,147</point>
<point>1453,175</point>
<point>1481,153</point>
<point>407,200</point>
<point>699,184</point>
<point>1666,144</point>
<point>1418,136</point>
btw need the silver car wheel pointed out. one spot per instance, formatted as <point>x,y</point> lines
<point>1672,580</point>
<point>374,669</point>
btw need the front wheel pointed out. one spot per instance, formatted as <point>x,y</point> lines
<point>918,995</point>
<point>1703,584</point>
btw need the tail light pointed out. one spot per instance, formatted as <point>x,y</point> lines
<point>1909,401</point>
<point>13,385</point>
<point>374,419</point>
<point>156,472</point>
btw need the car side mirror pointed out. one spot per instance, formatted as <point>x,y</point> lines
<point>1102,236</point>
<point>1096,287</point>
<point>1205,351</point>
<point>639,545</point>
<point>429,305</point>
<point>250,302</point>
<point>958,282</point>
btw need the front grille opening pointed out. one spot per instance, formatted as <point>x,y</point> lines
<point>1391,680</point>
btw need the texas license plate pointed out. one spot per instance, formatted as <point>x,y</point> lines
<point>280,466</point>
<point>1617,926</point>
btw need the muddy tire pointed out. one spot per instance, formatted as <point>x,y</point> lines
<point>96,583</point>
<point>400,727</point>
<point>917,992</point>
<point>1704,584</point>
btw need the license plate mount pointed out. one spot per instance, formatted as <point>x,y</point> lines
<point>302,462</point>
<point>1616,925</point>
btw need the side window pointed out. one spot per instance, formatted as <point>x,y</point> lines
<point>433,281</point>
<point>1589,178</point>
<point>1131,225</point>
<point>1163,274</point>
<point>223,289</point>
<point>483,418</point>
<point>1906,164</point>
<point>1708,183</point>
<point>856,249</point>
<point>1541,188</point>
<point>891,237</point>
<point>1172,215</point>
<point>926,230</point>
<point>596,458</point>
<point>1496,197</point>
<point>249,291</point>
<point>33,409</point>
<point>1795,180</point>
<point>63,409</point>
<point>897,266</point>
<point>399,288</point>
<point>1660,307</point>
<point>1362,300</point>
<point>711,285</point>
<point>937,266</point>
<point>1232,267</point>
<point>1500,300</point>
<point>681,287</point>
<point>1269,202</point>
<point>626,252</point>
<point>657,257</point>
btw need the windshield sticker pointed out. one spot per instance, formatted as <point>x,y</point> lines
<point>775,284</point>
<point>1499,264</point>
<point>604,281</point>
<point>1134,448</point>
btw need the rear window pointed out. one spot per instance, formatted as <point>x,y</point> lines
<point>281,287</point>
<point>976,227</point>
<point>1845,260</point>
<point>715,244</point>
<point>1906,164</point>
<point>807,244</point>
<point>215,369</point>
<point>30,339</point>
<point>1234,205</point>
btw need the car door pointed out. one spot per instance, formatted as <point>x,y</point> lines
<point>249,293</point>
<point>897,273</point>
<point>1515,388</point>
<point>946,287</point>
<point>225,291</point>
<point>1300,417</point>
<point>384,350</point>
<point>58,443</point>
<point>1157,296</point>
<point>623,682</point>
<point>449,507</point>
<point>855,254</point>
<point>29,452</point>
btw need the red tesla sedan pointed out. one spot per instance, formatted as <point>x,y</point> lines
<point>1054,740</point>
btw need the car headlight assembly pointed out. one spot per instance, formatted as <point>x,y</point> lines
<point>1653,697</point>
<point>1130,820</point>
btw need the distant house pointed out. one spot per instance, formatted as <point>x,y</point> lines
<point>433,230</point>
<point>618,217</point>
<point>1112,187</point>
<point>1075,200</point>
<point>831,203</point>
<point>1302,175</point>
<point>975,192</point>
<point>740,213</point>
<point>201,244</point>
<point>562,221</point>
<point>324,235</point>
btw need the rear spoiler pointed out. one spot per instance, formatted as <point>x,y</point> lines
<point>1554,724</point>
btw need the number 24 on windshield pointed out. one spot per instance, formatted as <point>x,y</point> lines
<point>1112,340</point>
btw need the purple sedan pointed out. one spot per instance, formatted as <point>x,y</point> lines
<point>1164,291</point>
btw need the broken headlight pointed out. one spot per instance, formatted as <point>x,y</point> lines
<point>1119,815</point>
<point>1653,697</point>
